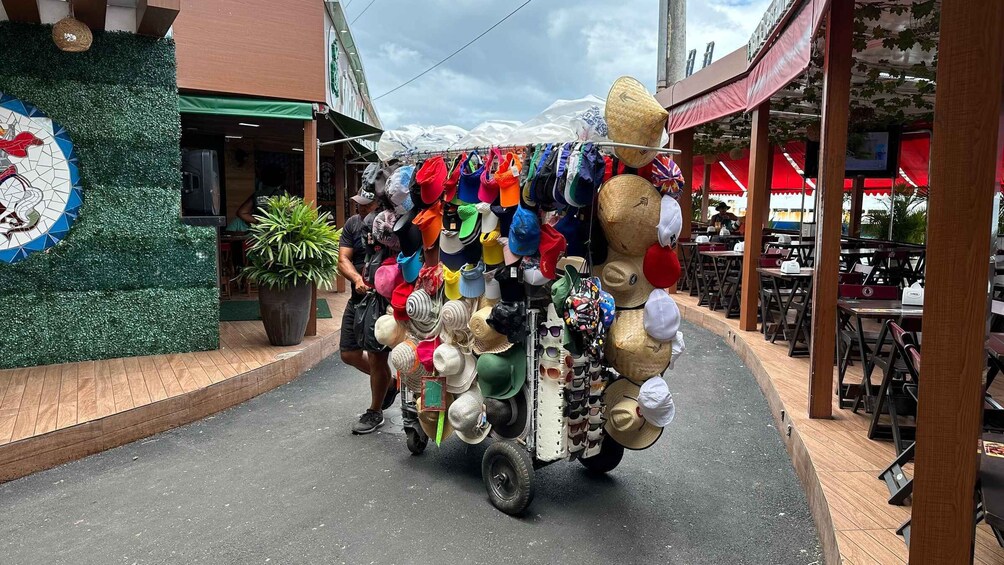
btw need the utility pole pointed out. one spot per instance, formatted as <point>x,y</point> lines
<point>672,51</point>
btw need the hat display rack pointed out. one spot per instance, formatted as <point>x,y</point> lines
<point>554,341</point>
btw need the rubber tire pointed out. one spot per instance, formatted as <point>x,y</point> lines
<point>516,457</point>
<point>607,459</point>
<point>416,443</point>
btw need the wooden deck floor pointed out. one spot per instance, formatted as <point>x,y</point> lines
<point>836,462</point>
<point>37,401</point>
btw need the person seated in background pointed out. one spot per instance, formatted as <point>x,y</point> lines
<point>269,183</point>
<point>723,218</point>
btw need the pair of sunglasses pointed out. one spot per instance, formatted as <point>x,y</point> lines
<point>578,382</point>
<point>579,370</point>
<point>574,412</point>
<point>594,443</point>
<point>543,330</point>
<point>576,429</point>
<point>577,442</point>
<point>553,373</point>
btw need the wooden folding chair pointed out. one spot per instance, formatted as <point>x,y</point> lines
<point>899,373</point>
<point>850,337</point>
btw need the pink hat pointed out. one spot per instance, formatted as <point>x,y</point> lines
<point>507,253</point>
<point>426,349</point>
<point>386,280</point>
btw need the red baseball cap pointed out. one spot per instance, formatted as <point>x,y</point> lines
<point>661,266</point>
<point>399,301</point>
<point>552,247</point>
<point>450,186</point>
<point>431,177</point>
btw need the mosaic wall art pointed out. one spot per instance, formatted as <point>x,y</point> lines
<point>40,193</point>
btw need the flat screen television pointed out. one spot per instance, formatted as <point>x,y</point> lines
<point>873,154</point>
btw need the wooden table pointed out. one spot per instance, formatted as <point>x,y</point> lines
<point>803,249</point>
<point>726,264</point>
<point>799,287</point>
<point>855,312</point>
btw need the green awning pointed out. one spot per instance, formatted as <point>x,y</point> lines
<point>351,127</point>
<point>245,107</point>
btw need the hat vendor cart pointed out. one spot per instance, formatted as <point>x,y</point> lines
<point>553,340</point>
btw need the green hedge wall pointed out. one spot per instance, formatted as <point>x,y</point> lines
<point>130,278</point>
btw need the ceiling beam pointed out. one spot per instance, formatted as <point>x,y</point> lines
<point>91,12</point>
<point>25,11</point>
<point>155,17</point>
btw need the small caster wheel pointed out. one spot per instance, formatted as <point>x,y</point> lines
<point>416,442</point>
<point>507,470</point>
<point>607,459</point>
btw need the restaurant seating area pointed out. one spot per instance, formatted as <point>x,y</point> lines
<point>856,467</point>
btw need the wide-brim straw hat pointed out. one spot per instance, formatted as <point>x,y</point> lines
<point>624,278</point>
<point>632,352</point>
<point>430,420</point>
<point>486,339</point>
<point>634,116</point>
<point>629,209</point>
<point>625,424</point>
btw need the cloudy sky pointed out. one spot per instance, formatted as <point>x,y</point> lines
<point>546,51</point>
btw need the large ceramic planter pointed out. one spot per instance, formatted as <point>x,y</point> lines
<point>285,313</point>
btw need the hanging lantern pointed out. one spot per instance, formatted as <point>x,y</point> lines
<point>72,35</point>
<point>812,132</point>
<point>736,153</point>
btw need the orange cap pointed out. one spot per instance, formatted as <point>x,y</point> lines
<point>508,180</point>
<point>430,221</point>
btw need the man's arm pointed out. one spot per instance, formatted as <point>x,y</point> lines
<point>348,270</point>
<point>244,212</point>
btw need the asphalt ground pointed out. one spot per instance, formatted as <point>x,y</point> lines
<point>280,480</point>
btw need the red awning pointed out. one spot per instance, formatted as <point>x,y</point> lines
<point>709,107</point>
<point>787,57</point>
<point>721,183</point>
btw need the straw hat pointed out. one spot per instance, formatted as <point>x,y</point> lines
<point>625,423</point>
<point>388,331</point>
<point>632,352</point>
<point>458,368</point>
<point>629,209</point>
<point>487,340</point>
<point>430,420</point>
<point>625,280</point>
<point>72,35</point>
<point>634,116</point>
<point>404,359</point>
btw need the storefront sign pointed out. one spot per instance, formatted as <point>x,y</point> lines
<point>40,193</point>
<point>775,13</point>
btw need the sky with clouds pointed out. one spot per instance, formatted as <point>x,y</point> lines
<point>547,51</point>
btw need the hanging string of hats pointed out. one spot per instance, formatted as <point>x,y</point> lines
<point>474,244</point>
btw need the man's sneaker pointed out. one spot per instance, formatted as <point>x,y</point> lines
<point>388,399</point>
<point>368,422</point>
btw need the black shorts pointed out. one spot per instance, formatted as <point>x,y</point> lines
<point>347,341</point>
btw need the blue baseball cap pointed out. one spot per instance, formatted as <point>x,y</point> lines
<point>410,265</point>
<point>524,234</point>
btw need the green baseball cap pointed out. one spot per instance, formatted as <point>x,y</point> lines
<point>501,376</point>
<point>469,216</point>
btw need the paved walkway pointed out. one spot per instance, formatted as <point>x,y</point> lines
<point>280,480</point>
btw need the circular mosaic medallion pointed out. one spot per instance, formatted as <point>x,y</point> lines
<point>40,193</point>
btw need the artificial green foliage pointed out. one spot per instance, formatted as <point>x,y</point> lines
<point>129,278</point>
<point>292,244</point>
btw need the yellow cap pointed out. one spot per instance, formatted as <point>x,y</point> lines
<point>451,283</point>
<point>492,248</point>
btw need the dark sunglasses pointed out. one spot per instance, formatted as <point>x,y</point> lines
<point>572,412</point>
<point>576,429</point>
<point>543,330</point>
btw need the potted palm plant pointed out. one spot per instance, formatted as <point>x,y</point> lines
<point>291,248</point>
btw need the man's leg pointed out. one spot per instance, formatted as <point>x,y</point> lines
<point>357,359</point>
<point>351,351</point>
<point>379,379</point>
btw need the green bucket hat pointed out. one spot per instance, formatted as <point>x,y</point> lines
<point>501,376</point>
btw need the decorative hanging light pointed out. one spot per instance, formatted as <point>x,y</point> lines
<point>736,153</point>
<point>72,35</point>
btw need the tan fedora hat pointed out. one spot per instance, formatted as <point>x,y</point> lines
<point>486,339</point>
<point>429,420</point>
<point>632,352</point>
<point>624,278</point>
<point>634,116</point>
<point>625,423</point>
<point>629,208</point>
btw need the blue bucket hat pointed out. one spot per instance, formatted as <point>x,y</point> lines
<point>472,280</point>
<point>410,265</point>
<point>524,234</point>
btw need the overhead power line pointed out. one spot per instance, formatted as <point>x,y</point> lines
<point>451,55</point>
<point>363,12</point>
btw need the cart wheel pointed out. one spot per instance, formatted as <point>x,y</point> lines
<point>416,443</point>
<point>507,470</point>
<point>607,459</point>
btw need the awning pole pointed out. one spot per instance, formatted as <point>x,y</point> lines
<point>801,213</point>
<point>356,138</point>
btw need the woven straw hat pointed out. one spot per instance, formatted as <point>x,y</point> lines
<point>625,424</point>
<point>72,35</point>
<point>430,420</point>
<point>625,280</point>
<point>629,208</point>
<point>404,358</point>
<point>634,116</point>
<point>388,331</point>
<point>487,340</point>
<point>632,352</point>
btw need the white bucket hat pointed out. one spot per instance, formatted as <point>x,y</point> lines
<point>656,402</point>
<point>458,368</point>
<point>670,221</point>
<point>467,416</point>
<point>662,316</point>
